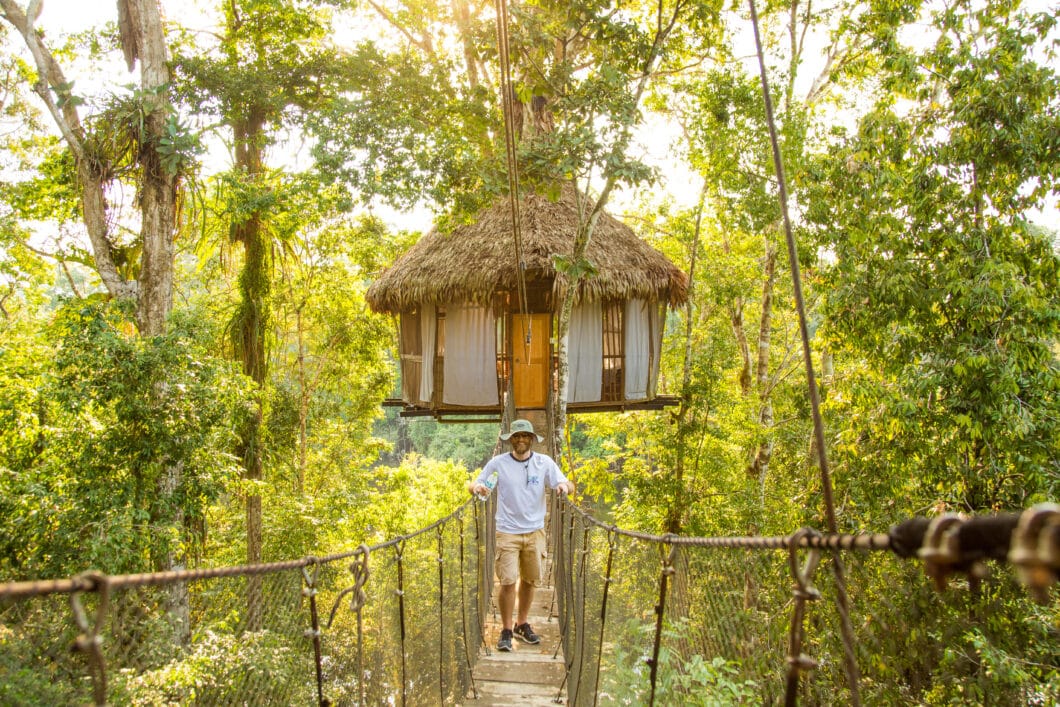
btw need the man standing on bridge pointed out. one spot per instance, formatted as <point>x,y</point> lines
<point>521,476</point>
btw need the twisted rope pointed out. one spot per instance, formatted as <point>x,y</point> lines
<point>660,609</point>
<point>508,110</point>
<point>612,541</point>
<point>803,591</point>
<point>831,541</point>
<point>360,573</point>
<point>310,591</point>
<point>90,640</point>
<point>842,601</point>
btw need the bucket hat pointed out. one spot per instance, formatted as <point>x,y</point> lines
<point>521,426</point>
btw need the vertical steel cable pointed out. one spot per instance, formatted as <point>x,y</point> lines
<point>441,618</point>
<point>508,109</point>
<point>90,640</point>
<point>562,579</point>
<point>803,592</point>
<point>310,591</point>
<point>580,624</point>
<point>463,610</point>
<point>611,542</point>
<point>660,609</point>
<point>490,518</point>
<point>563,532</point>
<point>399,552</point>
<point>568,592</point>
<point>842,599</point>
<point>480,580</point>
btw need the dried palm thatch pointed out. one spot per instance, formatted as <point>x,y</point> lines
<point>475,261</point>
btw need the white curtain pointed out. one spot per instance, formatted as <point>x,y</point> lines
<point>585,353</point>
<point>428,330</point>
<point>657,320</point>
<point>470,356</point>
<point>639,345</point>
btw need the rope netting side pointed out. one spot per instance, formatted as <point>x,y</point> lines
<point>645,619</point>
<point>326,630</point>
<point>422,620</point>
<point>146,658</point>
<point>730,606</point>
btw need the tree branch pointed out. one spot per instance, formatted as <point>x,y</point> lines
<point>51,78</point>
<point>422,44</point>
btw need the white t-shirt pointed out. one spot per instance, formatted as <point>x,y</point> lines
<point>521,490</point>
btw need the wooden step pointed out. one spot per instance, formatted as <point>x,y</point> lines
<point>529,674</point>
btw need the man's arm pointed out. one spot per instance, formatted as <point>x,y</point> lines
<point>478,486</point>
<point>564,485</point>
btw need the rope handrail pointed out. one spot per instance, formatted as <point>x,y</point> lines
<point>976,538</point>
<point>604,583</point>
<point>87,583</point>
<point>697,581</point>
<point>831,541</point>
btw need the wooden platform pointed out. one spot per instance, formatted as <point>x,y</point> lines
<point>528,675</point>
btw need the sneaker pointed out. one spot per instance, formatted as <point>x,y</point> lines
<point>526,634</point>
<point>505,642</point>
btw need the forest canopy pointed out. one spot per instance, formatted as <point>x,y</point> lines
<point>195,201</point>
<point>196,196</point>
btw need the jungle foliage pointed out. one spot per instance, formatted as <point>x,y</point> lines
<point>921,143</point>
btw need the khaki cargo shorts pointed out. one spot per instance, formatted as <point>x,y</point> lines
<point>520,556</point>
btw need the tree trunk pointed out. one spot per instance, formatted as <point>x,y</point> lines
<point>736,317</point>
<point>303,404</point>
<point>586,226</point>
<point>158,188</point>
<point>675,515</point>
<point>764,453</point>
<point>250,333</point>
<point>143,40</point>
<point>462,16</point>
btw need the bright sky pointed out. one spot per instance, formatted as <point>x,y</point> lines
<point>63,16</point>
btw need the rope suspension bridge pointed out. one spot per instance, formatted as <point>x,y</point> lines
<point>634,618</point>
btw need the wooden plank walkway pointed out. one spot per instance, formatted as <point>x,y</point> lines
<point>529,675</point>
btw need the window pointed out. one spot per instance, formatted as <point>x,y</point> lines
<point>411,351</point>
<point>613,387</point>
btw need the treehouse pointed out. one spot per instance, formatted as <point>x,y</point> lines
<point>474,335</point>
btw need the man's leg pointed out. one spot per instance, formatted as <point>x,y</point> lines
<point>507,571</point>
<point>506,603</point>
<point>531,554</point>
<point>526,598</point>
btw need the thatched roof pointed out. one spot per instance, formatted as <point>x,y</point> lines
<point>476,260</point>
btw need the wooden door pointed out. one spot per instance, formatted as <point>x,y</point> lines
<point>530,361</point>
